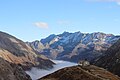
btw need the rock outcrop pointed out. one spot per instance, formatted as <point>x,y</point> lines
<point>10,71</point>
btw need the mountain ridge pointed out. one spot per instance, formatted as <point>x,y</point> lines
<point>111,59</point>
<point>74,46</point>
<point>81,73</point>
<point>18,52</point>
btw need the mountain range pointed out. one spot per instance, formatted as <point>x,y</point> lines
<point>74,46</point>
<point>110,61</point>
<point>102,49</point>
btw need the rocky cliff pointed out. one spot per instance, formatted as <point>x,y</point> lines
<point>10,71</point>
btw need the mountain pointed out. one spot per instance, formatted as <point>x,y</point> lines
<point>18,52</point>
<point>81,73</point>
<point>74,46</point>
<point>111,59</point>
<point>10,71</point>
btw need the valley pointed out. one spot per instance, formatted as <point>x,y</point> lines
<point>36,73</point>
<point>39,59</point>
<point>59,39</point>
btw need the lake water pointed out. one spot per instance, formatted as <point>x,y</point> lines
<point>38,73</point>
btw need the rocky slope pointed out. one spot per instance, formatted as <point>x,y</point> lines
<point>74,46</point>
<point>16,51</point>
<point>9,71</point>
<point>81,73</point>
<point>111,59</point>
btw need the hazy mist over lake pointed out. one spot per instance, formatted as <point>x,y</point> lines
<point>38,73</point>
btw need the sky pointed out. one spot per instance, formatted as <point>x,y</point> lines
<point>31,20</point>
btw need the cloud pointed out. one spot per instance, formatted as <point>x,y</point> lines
<point>63,22</point>
<point>43,25</point>
<point>116,1</point>
<point>36,73</point>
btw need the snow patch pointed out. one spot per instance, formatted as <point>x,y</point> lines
<point>56,39</point>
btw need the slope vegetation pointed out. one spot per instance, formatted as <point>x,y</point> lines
<point>16,51</point>
<point>81,73</point>
<point>111,59</point>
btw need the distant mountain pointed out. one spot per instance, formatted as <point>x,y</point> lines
<point>74,46</point>
<point>18,52</point>
<point>81,73</point>
<point>10,71</point>
<point>111,59</point>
